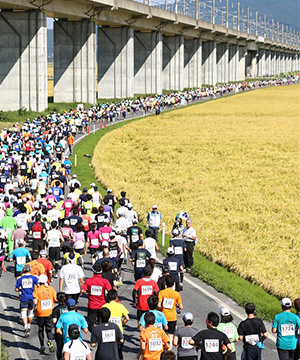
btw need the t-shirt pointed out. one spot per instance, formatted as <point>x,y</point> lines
<point>46,297</point>
<point>287,325</point>
<point>173,263</point>
<point>155,340</point>
<point>93,238</point>
<point>69,318</point>
<point>145,287</point>
<point>160,319</point>
<point>149,244</point>
<point>184,335</point>
<point>47,266</point>
<point>140,257</point>
<point>107,335</point>
<point>54,238</point>
<point>117,312</point>
<point>77,349</point>
<point>26,283</point>
<point>169,298</point>
<point>230,330</point>
<point>71,273</point>
<point>59,310</point>
<point>211,341</point>
<point>36,268</point>
<point>251,330</point>
<point>21,256</point>
<point>96,288</point>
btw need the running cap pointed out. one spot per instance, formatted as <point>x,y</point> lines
<point>175,232</point>
<point>61,197</point>
<point>109,190</point>
<point>224,311</point>
<point>170,251</point>
<point>134,221</point>
<point>286,302</point>
<point>129,205</point>
<point>74,176</point>
<point>21,241</point>
<point>112,235</point>
<point>67,222</point>
<point>84,189</point>
<point>26,268</point>
<point>43,279</point>
<point>105,243</point>
<point>139,242</point>
<point>118,231</point>
<point>43,252</point>
<point>71,303</point>
<point>154,207</point>
<point>187,316</point>
<point>93,184</point>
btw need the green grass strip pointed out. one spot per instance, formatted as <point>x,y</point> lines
<point>237,288</point>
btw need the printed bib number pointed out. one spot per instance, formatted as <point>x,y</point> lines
<point>155,344</point>
<point>68,205</point>
<point>108,336</point>
<point>46,304</point>
<point>135,238</point>
<point>287,329</point>
<point>94,242</point>
<point>73,222</point>
<point>27,283</point>
<point>158,325</point>
<point>147,290</point>
<point>36,235</point>
<point>65,232</point>
<point>168,303</point>
<point>252,339</point>
<point>211,345</point>
<point>79,357</point>
<point>21,260</point>
<point>96,290</point>
<point>113,253</point>
<point>85,222</point>
<point>115,320</point>
<point>185,343</point>
<point>88,206</point>
<point>71,278</point>
<point>173,266</point>
<point>178,250</point>
<point>105,236</point>
<point>140,263</point>
<point>229,331</point>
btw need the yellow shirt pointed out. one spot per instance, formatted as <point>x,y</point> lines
<point>117,311</point>
<point>59,207</point>
<point>89,205</point>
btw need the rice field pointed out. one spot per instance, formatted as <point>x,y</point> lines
<point>233,165</point>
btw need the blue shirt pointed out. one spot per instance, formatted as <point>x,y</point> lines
<point>57,191</point>
<point>69,318</point>
<point>21,256</point>
<point>160,319</point>
<point>26,283</point>
<point>287,325</point>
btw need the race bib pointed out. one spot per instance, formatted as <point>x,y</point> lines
<point>211,345</point>
<point>287,330</point>
<point>56,192</point>
<point>88,206</point>
<point>158,325</point>
<point>73,222</point>
<point>85,222</point>
<point>23,167</point>
<point>94,242</point>
<point>115,320</point>
<point>147,290</point>
<point>46,304</point>
<point>108,336</point>
<point>252,339</point>
<point>105,236</point>
<point>8,231</point>
<point>36,235</point>
<point>185,343</point>
<point>140,263</point>
<point>79,357</point>
<point>96,290</point>
<point>21,260</point>
<point>27,283</point>
<point>135,238</point>
<point>168,303</point>
<point>100,219</point>
<point>229,331</point>
<point>178,250</point>
<point>71,278</point>
<point>65,232</point>
<point>155,344</point>
<point>173,266</point>
<point>113,253</point>
<point>68,205</point>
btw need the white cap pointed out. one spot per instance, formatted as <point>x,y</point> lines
<point>224,311</point>
<point>129,206</point>
<point>170,250</point>
<point>43,279</point>
<point>286,302</point>
<point>74,176</point>
<point>175,232</point>
<point>93,184</point>
<point>188,316</point>
<point>154,207</point>
<point>109,190</point>
<point>67,222</point>
<point>105,243</point>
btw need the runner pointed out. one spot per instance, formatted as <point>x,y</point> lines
<point>139,258</point>
<point>60,309</point>
<point>228,328</point>
<point>160,319</point>
<point>20,256</point>
<point>76,348</point>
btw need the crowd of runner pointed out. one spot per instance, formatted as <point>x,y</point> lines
<point>52,229</point>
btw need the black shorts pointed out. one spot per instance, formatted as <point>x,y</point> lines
<point>38,245</point>
<point>73,296</point>
<point>80,251</point>
<point>18,273</point>
<point>139,313</point>
<point>171,327</point>
<point>93,250</point>
<point>54,253</point>
<point>26,305</point>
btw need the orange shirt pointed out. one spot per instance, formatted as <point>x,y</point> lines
<point>70,140</point>
<point>86,222</point>
<point>169,298</point>
<point>155,340</point>
<point>36,268</point>
<point>46,297</point>
<point>25,197</point>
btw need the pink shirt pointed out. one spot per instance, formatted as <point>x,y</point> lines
<point>93,238</point>
<point>66,232</point>
<point>104,231</point>
<point>68,206</point>
<point>79,240</point>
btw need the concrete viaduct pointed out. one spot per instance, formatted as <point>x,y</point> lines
<point>140,49</point>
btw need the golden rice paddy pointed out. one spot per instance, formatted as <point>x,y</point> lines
<point>233,165</point>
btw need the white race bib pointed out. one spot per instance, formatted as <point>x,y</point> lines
<point>21,260</point>
<point>134,238</point>
<point>168,303</point>
<point>287,330</point>
<point>36,235</point>
<point>108,336</point>
<point>96,290</point>
<point>229,331</point>
<point>115,320</point>
<point>140,263</point>
<point>211,345</point>
<point>158,325</point>
<point>113,253</point>
<point>73,222</point>
<point>147,290</point>
<point>46,304</point>
<point>178,250</point>
<point>85,222</point>
<point>27,283</point>
<point>185,343</point>
<point>155,344</point>
<point>252,339</point>
<point>94,242</point>
<point>68,205</point>
<point>173,266</point>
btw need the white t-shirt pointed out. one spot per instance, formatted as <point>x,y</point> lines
<point>54,214</point>
<point>189,232</point>
<point>78,351</point>
<point>122,242</point>
<point>54,238</point>
<point>156,274</point>
<point>71,273</point>
<point>130,215</point>
<point>149,244</point>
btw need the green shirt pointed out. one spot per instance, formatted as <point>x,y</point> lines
<point>229,329</point>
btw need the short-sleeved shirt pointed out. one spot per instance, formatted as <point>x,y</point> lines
<point>230,330</point>
<point>107,335</point>
<point>47,266</point>
<point>212,343</point>
<point>71,273</point>
<point>46,297</point>
<point>140,257</point>
<point>154,339</point>
<point>77,349</point>
<point>96,288</point>
<point>36,268</point>
<point>160,319</point>
<point>26,283</point>
<point>145,287</point>
<point>69,318</point>
<point>21,256</point>
<point>287,325</point>
<point>169,298</point>
<point>184,335</point>
<point>251,330</point>
<point>117,312</point>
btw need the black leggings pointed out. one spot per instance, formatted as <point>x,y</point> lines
<point>59,339</point>
<point>47,324</point>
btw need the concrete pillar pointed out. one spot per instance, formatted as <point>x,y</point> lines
<point>261,62</point>
<point>242,63</point>
<point>192,63</point>
<point>273,62</point>
<point>115,62</point>
<point>74,61</point>
<point>209,62</point>
<point>173,62</point>
<point>222,62</point>
<point>267,62</point>
<point>23,60</point>
<point>147,63</point>
<point>277,66</point>
<point>233,63</point>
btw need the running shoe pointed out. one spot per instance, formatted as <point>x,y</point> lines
<point>50,345</point>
